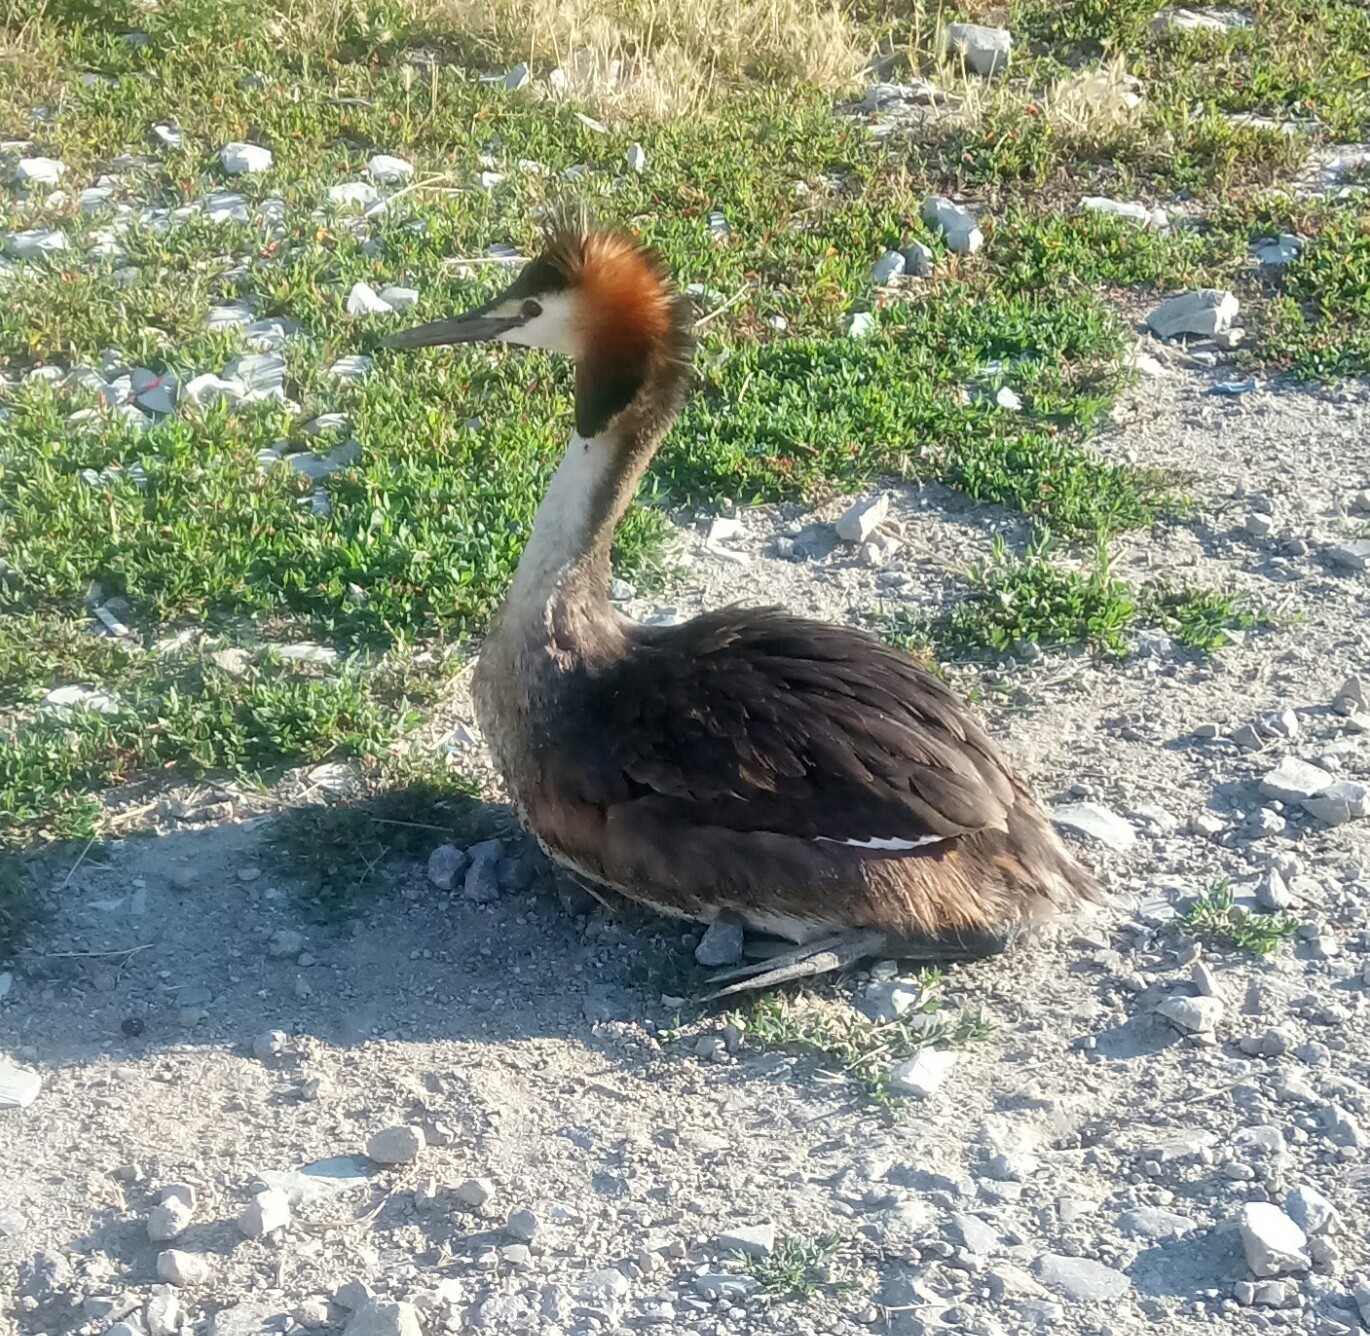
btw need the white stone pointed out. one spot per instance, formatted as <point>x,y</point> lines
<point>352,367</point>
<point>1129,211</point>
<point>399,299</point>
<point>396,1145</point>
<point>172,1215</point>
<point>262,375</point>
<point>637,158</point>
<point>227,206</point>
<point>1179,19</point>
<point>363,300</point>
<point>860,323</point>
<point>353,194</point>
<point>167,135</point>
<point>234,316</point>
<point>1008,399</point>
<point>606,1286</point>
<point>178,1268</point>
<point>887,268</point>
<point>39,171</point>
<point>242,159</point>
<point>208,389</point>
<point>923,1074</point>
<point>1097,823</point>
<point>35,242</point>
<point>1273,1243</point>
<point>267,1212</point>
<point>19,1086</point>
<point>1294,780</point>
<point>754,1241</point>
<point>986,50</point>
<point>1193,1015</point>
<point>385,169</point>
<point>1310,1210</point>
<point>164,1314</point>
<point>862,518</point>
<point>474,1192</point>
<point>87,697</point>
<point>957,226</point>
<point>1347,800</point>
<point>384,1317</point>
<point>1280,250</point>
<point>1203,313</point>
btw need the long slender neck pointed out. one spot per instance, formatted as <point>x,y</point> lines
<point>567,556</point>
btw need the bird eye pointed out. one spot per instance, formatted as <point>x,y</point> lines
<point>531,309</point>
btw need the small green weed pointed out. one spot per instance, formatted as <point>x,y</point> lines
<point>1031,599</point>
<point>1216,918</point>
<point>862,1049</point>
<point>800,1267</point>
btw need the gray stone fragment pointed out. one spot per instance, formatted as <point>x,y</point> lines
<point>1294,780</point>
<point>445,864</point>
<point>522,1224</point>
<point>1205,312</point>
<point>922,1075</point>
<point>721,1285</point>
<point>172,1214</point>
<point>1351,556</point>
<point>756,1241</point>
<point>972,1233</point>
<point>1193,1015</point>
<point>1273,1243</point>
<point>1151,1222</point>
<point>721,943</point>
<point>1310,1210</point>
<point>473,1192</point>
<point>1346,800</point>
<point>183,1268</point>
<point>862,518</point>
<point>1080,1278</point>
<point>482,876</point>
<point>267,1212</point>
<point>384,1317</point>
<point>1096,822</point>
<point>985,50</point>
<point>396,1145</point>
<point>1272,891</point>
<point>249,1319</point>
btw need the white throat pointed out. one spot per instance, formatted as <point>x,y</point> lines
<point>561,529</point>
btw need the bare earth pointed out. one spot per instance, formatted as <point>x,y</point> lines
<point>533,1046</point>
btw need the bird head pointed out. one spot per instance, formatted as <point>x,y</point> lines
<point>593,294</point>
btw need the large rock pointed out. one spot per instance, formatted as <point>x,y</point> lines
<point>241,159</point>
<point>396,1145</point>
<point>1347,800</point>
<point>1203,313</point>
<point>1294,780</point>
<point>862,518</point>
<point>1273,1243</point>
<point>1193,1015</point>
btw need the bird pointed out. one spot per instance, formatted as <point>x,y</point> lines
<point>802,779</point>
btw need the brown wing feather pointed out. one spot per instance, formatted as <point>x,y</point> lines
<point>757,721</point>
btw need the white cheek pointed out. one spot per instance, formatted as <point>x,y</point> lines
<point>553,330</point>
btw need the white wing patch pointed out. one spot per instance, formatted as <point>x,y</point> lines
<point>892,845</point>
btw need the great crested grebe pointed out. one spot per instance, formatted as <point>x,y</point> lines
<point>814,782</point>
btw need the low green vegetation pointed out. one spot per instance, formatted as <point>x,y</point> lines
<point>1216,918</point>
<point>1034,599</point>
<point>397,558</point>
<point>800,1267</point>
<point>861,1049</point>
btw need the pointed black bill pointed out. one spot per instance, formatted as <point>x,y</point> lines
<point>475,327</point>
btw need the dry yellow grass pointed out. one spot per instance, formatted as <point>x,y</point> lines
<point>651,58</point>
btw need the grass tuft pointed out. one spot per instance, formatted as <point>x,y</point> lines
<point>1217,919</point>
<point>800,1267</point>
<point>861,1049</point>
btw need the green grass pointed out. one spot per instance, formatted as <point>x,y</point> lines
<point>800,1267</point>
<point>861,1049</point>
<point>1215,918</point>
<point>1035,599</point>
<point>423,529</point>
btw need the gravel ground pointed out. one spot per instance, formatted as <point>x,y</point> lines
<point>1157,1135</point>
